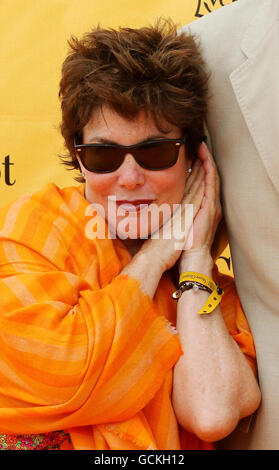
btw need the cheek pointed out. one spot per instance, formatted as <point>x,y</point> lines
<point>171,185</point>
<point>99,184</point>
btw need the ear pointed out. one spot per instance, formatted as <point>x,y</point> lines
<point>79,161</point>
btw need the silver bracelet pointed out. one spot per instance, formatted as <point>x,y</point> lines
<point>187,285</point>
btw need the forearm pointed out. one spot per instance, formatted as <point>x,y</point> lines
<point>214,386</point>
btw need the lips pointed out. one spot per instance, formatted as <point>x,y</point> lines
<point>134,206</point>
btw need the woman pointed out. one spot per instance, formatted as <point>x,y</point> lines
<point>96,352</point>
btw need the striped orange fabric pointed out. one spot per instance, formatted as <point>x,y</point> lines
<point>83,349</point>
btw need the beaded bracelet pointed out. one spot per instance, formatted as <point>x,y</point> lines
<point>197,281</point>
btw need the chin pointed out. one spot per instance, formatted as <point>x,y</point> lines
<point>130,230</point>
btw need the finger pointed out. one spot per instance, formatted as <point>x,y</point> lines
<point>198,198</point>
<point>213,166</point>
<point>210,173</point>
<point>211,199</point>
<point>185,218</point>
<point>218,185</point>
<point>195,199</point>
<point>204,153</point>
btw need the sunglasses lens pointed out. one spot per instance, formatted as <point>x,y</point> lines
<point>101,159</point>
<point>157,156</point>
<point>152,156</point>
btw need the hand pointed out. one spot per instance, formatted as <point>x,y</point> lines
<point>165,248</point>
<point>209,213</point>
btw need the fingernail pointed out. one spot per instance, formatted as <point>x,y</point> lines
<point>205,147</point>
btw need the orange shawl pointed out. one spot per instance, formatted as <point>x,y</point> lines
<point>83,349</point>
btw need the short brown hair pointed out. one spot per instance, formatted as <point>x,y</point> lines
<point>152,68</point>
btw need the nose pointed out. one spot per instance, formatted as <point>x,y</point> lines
<point>130,173</point>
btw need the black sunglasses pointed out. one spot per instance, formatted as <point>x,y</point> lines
<point>152,154</point>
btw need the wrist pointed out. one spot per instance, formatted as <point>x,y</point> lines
<point>197,261</point>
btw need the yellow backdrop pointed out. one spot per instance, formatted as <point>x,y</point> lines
<point>33,41</point>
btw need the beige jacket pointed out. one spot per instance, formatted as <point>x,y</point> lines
<point>240,44</point>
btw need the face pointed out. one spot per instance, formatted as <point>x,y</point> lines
<point>131,182</point>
